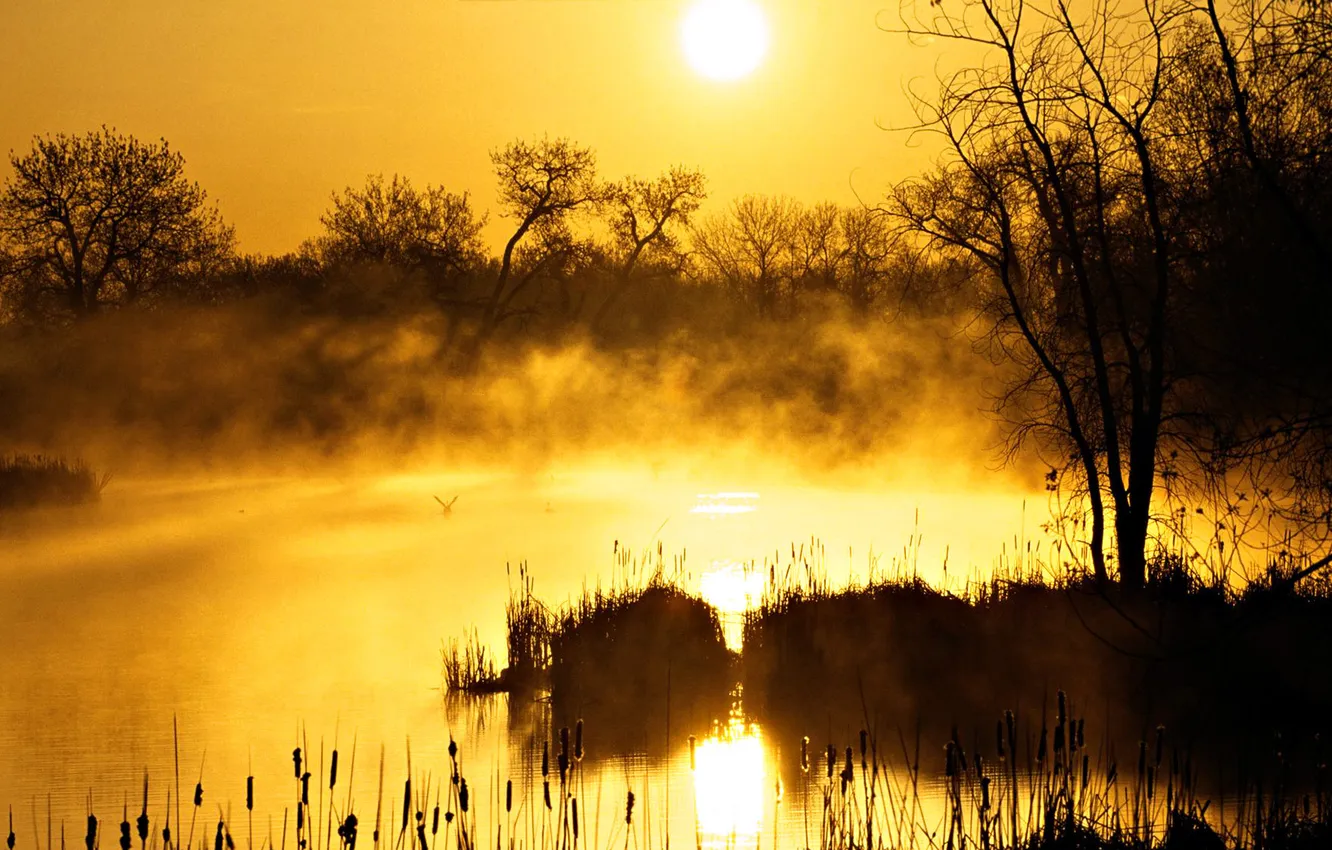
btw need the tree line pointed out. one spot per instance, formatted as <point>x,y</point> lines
<point>1133,206</point>
<point>106,221</point>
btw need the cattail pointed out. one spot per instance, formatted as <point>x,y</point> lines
<point>421,836</point>
<point>300,817</point>
<point>950,759</point>
<point>832,760</point>
<point>985,793</point>
<point>226,836</point>
<point>1086,773</point>
<point>296,759</point>
<point>125,841</point>
<point>864,746</point>
<point>575,819</point>
<point>434,821</point>
<point>693,763</point>
<point>564,741</point>
<point>545,793</point>
<point>142,824</point>
<point>448,817</point>
<point>1058,740</point>
<point>10,839</point>
<point>249,793</point>
<point>804,754</point>
<point>406,804</point>
<point>91,838</point>
<point>545,759</point>
<point>305,788</point>
<point>629,808</point>
<point>348,831</point>
<point>198,794</point>
<point>217,840</point>
<point>333,771</point>
<point>453,749</point>
<point>508,796</point>
<point>1151,782</point>
<point>462,797</point>
<point>578,740</point>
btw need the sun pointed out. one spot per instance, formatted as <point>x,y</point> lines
<point>724,39</point>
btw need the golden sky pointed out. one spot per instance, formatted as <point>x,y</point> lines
<point>276,103</point>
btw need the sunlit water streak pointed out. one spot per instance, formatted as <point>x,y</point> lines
<point>250,608</point>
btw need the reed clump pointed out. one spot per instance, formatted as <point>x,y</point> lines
<point>901,649</point>
<point>467,665</point>
<point>30,481</point>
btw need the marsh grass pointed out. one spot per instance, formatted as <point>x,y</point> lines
<point>467,665</point>
<point>897,648</point>
<point>29,481</point>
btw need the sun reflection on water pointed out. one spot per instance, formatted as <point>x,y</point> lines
<point>722,504</point>
<point>728,770</point>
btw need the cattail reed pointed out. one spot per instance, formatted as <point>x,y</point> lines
<point>575,819</point>
<point>434,821</point>
<point>90,839</point>
<point>406,803</point>
<point>629,808</point>
<point>218,842</point>
<point>545,793</point>
<point>508,796</point>
<point>10,839</point>
<point>305,788</point>
<point>545,759</point>
<point>804,753</point>
<point>832,760</point>
<point>462,796</point>
<point>198,794</point>
<point>296,760</point>
<point>249,793</point>
<point>333,771</point>
<point>578,740</point>
<point>125,841</point>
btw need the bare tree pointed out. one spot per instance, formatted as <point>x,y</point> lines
<point>750,248</point>
<point>1053,190</point>
<point>540,185</point>
<point>105,219</point>
<point>644,216</point>
<point>392,223</point>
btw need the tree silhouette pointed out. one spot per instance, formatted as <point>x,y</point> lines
<point>105,219</point>
<point>392,223</point>
<point>540,184</point>
<point>643,216</point>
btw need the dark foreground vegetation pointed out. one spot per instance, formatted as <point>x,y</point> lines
<point>29,481</point>
<point>645,650</point>
<point>1011,789</point>
<point>1228,668</point>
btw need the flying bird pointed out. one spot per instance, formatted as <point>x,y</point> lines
<point>447,506</point>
